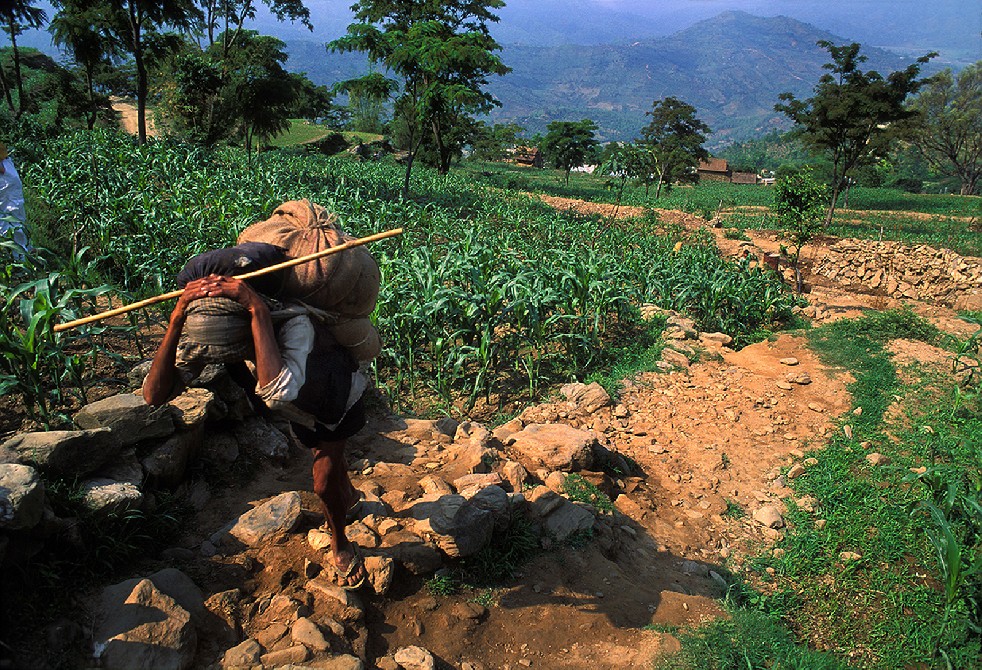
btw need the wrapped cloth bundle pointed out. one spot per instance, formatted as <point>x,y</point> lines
<point>346,284</point>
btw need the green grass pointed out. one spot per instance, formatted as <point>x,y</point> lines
<point>888,609</point>
<point>878,606</point>
<point>301,131</point>
<point>578,489</point>
<point>745,641</point>
<point>889,214</point>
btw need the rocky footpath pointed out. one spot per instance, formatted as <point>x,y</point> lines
<point>643,543</point>
<point>433,493</point>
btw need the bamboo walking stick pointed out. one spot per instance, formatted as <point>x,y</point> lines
<point>272,268</point>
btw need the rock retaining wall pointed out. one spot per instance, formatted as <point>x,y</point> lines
<point>901,271</point>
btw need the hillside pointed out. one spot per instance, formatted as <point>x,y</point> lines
<point>731,68</point>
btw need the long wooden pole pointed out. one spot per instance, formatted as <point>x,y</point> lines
<point>272,268</point>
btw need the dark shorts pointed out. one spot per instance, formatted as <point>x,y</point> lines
<point>325,392</point>
<point>352,422</point>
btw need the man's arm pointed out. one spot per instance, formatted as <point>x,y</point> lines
<point>159,385</point>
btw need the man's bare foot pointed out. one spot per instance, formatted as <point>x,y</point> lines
<point>347,568</point>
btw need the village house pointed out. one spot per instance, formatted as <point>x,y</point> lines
<point>716,169</point>
<point>527,156</point>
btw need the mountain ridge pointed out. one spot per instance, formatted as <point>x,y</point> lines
<point>731,68</point>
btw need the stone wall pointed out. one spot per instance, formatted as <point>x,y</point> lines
<point>901,271</point>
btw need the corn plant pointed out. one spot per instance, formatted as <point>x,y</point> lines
<point>34,361</point>
<point>484,293</point>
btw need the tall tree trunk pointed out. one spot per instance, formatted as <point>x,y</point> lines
<point>141,73</point>
<point>831,210</point>
<point>141,97</point>
<point>17,76</point>
<point>6,90</point>
<point>93,109</point>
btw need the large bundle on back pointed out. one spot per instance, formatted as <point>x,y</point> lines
<point>345,284</point>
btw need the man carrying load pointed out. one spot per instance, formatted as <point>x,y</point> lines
<point>299,370</point>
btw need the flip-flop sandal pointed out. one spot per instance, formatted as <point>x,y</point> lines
<point>340,577</point>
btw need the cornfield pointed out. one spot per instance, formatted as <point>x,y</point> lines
<point>485,295</point>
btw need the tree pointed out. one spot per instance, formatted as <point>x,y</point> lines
<point>799,201</point>
<point>247,93</point>
<point>131,22</point>
<point>18,16</point>
<point>569,144</point>
<point>80,29</point>
<point>366,100</point>
<point>263,95</point>
<point>674,137</point>
<point>312,102</point>
<point>626,162</point>
<point>442,52</point>
<point>229,16</point>
<point>853,114</point>
<point>491,143</point>
<point>949,130</point>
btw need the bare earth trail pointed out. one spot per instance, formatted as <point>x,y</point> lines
<point>705,441</point>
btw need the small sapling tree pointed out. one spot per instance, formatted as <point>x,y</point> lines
<point>799,201</point>
<point>570,144</point>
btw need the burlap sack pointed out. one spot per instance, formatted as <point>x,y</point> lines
<point>359,336</point>
<point>346,283</point>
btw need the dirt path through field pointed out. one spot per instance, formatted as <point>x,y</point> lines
<point>704,446</point>
<point>707,447</point>
<point>128,117</point>
<point>707,444</point>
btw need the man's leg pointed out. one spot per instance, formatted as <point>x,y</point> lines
<point>334,488</point>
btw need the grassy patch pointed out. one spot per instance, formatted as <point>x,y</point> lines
<point>508,550</point>
<point>300,132</point>
<point>579,489</point>
<point>911,597</point>
<point>746,641</point>
<point>885,606</point>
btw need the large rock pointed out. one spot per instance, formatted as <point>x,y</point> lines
<point>555,447</point>
<point>67,453</point>
<point>556,516</point>
<point>468,458</point>
<point>414,658</point>
<point>21,497</point>
<point>587,398</point>
<point>171,582</point>
<point>145,630</point>
<point>244,655</point>
<point>168,462</point>
<point>130,418</point>
<point>265,523</point>
<point>194,406</point>
<point>417,556</point>
<point>459,527</point>
<point>255,433</point>
<point>493,499</point>
<point>125,468</point>
<point>106,496</point>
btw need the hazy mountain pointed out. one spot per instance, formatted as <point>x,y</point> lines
<point>731,68</point>
<point>951,27</point>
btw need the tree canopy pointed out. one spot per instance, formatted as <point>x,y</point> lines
<point>948,131</point>
<point>675,138</point>
<point>853,114</point>
<point>569,144</point>
<point>443,53</point>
